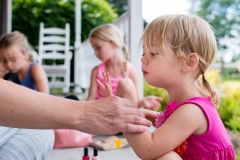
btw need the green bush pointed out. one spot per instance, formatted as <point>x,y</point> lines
<point>229,109</point>
<point>27,15</point>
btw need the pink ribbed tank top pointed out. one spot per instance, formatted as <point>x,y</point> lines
<point>114,80</point>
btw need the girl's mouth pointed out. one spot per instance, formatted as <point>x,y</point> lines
<point>144,72</point>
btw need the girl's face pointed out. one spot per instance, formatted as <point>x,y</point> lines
<point>103,50</point>
<point>13,58</point>
<point>160,69</point>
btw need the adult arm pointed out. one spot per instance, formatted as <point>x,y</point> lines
<point>92,93</point>
<point>24,108</point>
<point>40,78</point>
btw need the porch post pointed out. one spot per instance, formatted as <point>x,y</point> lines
<point>9,16</point>
<point>135,31</point>
<point>77,44</point>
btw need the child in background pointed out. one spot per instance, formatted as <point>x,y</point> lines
<point>177,49</point>
<point>107,42</point>
<point>15,53</point>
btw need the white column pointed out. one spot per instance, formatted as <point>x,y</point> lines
<point>9,16</point>
<point>77,43</point>
<point>135,31</point>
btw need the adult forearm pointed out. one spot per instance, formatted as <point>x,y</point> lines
<point>22,107</point>
<point>25,108</point>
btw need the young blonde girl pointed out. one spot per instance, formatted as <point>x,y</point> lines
<point>177,50</point>
<point>108,44</point>
<point>15,53</point>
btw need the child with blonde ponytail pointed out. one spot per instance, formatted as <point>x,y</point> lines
<point>108,44</point>
<point>177,49</point>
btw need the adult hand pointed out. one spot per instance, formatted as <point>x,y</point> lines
<point>112,115</point>
<point>118,115</point>
<point>150,102</point>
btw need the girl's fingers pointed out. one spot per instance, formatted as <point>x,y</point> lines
<point>100,85</point>
<point>159,99</point>
<point>109,79</point>
<point>108,89</point>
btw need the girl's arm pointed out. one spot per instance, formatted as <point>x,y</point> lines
<point>186,120</point>
<point>92,94</point>
<point>40,78</point>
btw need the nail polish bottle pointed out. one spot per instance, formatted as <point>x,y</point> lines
<point>95,154</point>
<point>85,156</point>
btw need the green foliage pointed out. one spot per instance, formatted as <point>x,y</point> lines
<point>229,109</point>
<point>150,90</point>
<point>27,15</point>
<point>238,157</point>
<point>120,6</point>
<point>221,14</point>
<point>95,13</point>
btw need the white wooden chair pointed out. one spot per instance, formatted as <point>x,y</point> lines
<point>54,55</point>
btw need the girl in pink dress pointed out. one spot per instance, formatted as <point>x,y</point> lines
<point>109,46</point>
<point>177,50</point>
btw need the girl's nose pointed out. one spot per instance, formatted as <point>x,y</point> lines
<point>8,65</point>
<point>144,60</point>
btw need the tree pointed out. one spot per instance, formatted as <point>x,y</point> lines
<point>223,15</point>
<point>121,6</point>
<point>27,16</point>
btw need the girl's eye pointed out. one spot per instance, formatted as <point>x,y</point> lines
<point>143,54</point>
<point>98,47</point>
<point>153,54</point>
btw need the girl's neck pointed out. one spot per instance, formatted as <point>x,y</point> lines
<point>115,66</point>
<point>188,91</point>
<point>114,62</point>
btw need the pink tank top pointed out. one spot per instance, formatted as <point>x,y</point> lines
<point>114,80</point>
<point>214,144</point>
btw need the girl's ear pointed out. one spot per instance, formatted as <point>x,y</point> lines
<point>26,55</point>
<point>114,45</point>
<point>190,63</point>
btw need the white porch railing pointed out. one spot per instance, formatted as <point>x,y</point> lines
<point>85,59</point>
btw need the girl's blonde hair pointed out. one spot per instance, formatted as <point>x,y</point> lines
<point>110,33</point>
<point>185,34</point>
<point>16,38</point>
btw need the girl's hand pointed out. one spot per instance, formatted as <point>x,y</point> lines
<point>106,88</point>
<point>150,102</point>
